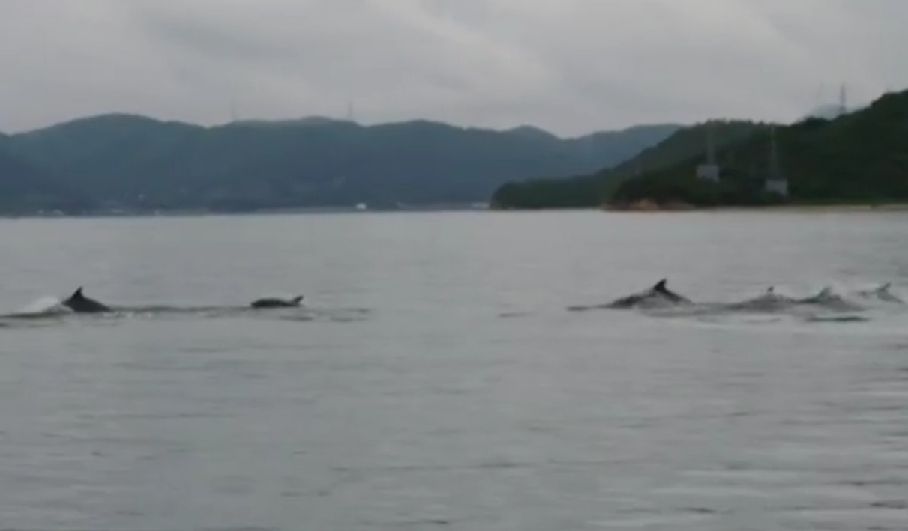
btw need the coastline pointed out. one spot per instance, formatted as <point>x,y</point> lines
<point>204,212</point>
<point>651,206</point>
<point>642,207</point>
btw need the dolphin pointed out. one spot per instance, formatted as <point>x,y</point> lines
<point>273,302</point>
<point>825,295</point>
<point>770,300</point>
<point>829,299</point>
<point>656,294</point>
<point>883,293</point>
<point>79,303</point>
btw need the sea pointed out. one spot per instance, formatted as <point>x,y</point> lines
<point>455,371</point>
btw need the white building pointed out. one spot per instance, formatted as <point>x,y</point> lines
<point>776,182</point>
<point>777,186</point>
<point>709,171</point>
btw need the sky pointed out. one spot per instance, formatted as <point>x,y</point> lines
<point>568,66</point>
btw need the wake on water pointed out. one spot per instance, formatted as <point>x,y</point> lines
<point>43,307</point>
<point>827,306</point>
<point>49,310</point>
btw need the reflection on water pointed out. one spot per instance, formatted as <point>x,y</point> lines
<point>436,380</point>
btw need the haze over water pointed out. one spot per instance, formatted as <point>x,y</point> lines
<point>435,379</point>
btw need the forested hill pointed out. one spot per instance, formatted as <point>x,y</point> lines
<point>132,162</point>
<point>857,157</point>
<point>861,157</point>
<point>595,189</point>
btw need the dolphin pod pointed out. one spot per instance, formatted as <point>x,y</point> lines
<point>79,303</point>
<point>655,297</point>
<point>659,296</point>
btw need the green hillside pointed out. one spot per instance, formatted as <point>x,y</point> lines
<point>593,190</point>
<point>856,158</point>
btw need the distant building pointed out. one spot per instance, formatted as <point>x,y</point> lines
<point>776,182</point>
<point>777,186</point>
<point>709,171</point>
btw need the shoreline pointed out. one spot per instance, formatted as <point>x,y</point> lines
<point>637,208</point>
<point>650,207</point>
<point>201,212</point>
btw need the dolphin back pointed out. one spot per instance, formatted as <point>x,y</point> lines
<point>274,302</point>
<point>79,303</point>
<point>655,296</point>
<point>661,288</point>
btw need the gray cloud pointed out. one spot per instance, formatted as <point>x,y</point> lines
<point>569,65</point>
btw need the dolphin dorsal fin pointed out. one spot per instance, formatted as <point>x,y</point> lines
<point>78,293</point>
<point>298,299</point>
<point>661,285</point>
<point>885,287</point>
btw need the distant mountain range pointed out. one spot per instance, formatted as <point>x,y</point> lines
<point>134,163</point>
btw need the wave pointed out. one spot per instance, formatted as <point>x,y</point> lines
<point>838,319</point>
<point>40,308</point>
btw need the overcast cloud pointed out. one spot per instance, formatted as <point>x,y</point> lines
<point>570,66</point>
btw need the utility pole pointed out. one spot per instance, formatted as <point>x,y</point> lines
<point>843,100</point>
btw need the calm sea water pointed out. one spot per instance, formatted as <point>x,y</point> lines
<point>435,379</point>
